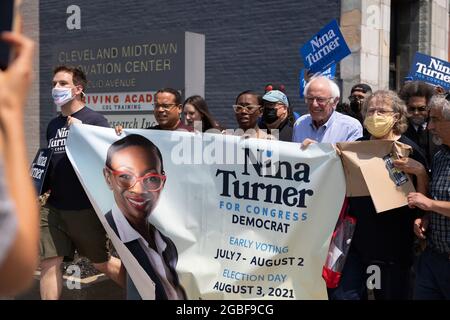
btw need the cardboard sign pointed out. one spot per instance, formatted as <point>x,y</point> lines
<point>366,172</point>
<point>39,168</point>
<point>305,75</point>
<point>431,70</point>
<point>328,46</point>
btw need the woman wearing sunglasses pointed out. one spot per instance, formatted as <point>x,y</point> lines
<point>134,172</point>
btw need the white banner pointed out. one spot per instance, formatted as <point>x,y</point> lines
<point>250,219</point>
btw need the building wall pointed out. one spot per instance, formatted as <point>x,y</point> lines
<point>384,35</point>
<point>439,28</point>
<point>366,27</point>
<point>248,43</point>
<point>422,26</point>
<point>412,35</point>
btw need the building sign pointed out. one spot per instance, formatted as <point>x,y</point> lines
<point>430,69</point>
<point>121,101</point>
<point>128,64</point>
<point>124,74</point>
<point>328,46</point>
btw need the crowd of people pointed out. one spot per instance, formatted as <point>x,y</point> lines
<point>418,116</point>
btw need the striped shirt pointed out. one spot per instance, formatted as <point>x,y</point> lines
<point>439,239</point>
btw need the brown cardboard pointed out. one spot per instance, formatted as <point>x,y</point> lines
<point>366,173</point>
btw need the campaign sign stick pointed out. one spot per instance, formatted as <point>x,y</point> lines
<point>305,75</point>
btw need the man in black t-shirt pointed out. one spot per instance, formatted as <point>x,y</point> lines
<point>68,220</point>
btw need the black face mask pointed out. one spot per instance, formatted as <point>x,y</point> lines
<point>270,115</point>
<point>355,105</point>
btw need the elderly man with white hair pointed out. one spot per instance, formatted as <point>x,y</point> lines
<point>433,266</point>
<point>324,123</point>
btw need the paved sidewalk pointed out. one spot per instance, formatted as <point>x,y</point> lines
<point>97,287</point>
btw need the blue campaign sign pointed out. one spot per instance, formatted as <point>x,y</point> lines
<point>39,168</point>
<point>306,75</point>
<point>431,70</point>
<point>326,47</point>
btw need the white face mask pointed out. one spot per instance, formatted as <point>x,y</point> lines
<point>61,96</point>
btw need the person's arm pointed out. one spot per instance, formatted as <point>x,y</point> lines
<point>414,167</point>
<point>306,143</point>
<point>16,271</point>
<point>355,133</point>
<point>416,199</point>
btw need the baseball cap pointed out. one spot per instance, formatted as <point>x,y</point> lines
<point>276,96</point>
<point>362,87</point>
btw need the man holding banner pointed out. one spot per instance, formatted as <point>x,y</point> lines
<point>433,266</point>
<point>68,220</point>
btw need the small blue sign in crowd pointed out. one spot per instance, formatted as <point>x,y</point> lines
<point>430,69</point>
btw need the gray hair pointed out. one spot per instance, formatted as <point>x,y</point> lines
<point>439,102</point>
<point>334,89</point>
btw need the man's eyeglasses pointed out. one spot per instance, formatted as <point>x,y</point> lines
<point>249,108</point>
<point>418,109</point>
<point>127,180</point>
<point>165,107</point>
<point>320,100</point>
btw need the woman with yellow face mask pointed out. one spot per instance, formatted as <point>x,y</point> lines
<point>382,244</point>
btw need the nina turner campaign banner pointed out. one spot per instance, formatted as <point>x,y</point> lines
<point>230,218</point>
